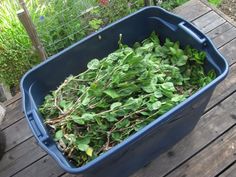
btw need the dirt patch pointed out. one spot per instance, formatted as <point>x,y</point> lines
<point>229,8</point>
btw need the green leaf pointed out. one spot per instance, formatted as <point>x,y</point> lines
<point>156,105</point>
<point>110,117</point>
<point>158,94</point>
<point>166,106</point>
<point>85,140</point>
<point>87,116</point>
<point>59,135</point>
<point>71,138</point>
<point>133,103</point>
<point>123,124</point>
<point>211,74</point>
<point>98,121</point>
<point>83,147</point>
<point>95,23</point>
<point>169,86</point>
<point>154,38</point>
<point>178,98</point>
<point>112,93</point>
<point>93,64</point>
<point>149,88</point>
<point>78,120</point>
<point>63,104</point>
<point>86,100</point>
<point>125,67</point>
<point>182,60</point>
<point>116,136</point>
<point>115,105</point>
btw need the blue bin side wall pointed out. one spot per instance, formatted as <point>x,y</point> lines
<point>73,60</point>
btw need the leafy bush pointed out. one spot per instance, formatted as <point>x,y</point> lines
<point>59,24</point>
<point>16,53</point>
<point>115,97</point>
<point>62,23</point>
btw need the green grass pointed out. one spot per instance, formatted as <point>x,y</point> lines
<point>215,2</point>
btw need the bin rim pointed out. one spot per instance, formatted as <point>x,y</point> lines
<point>142,132</point>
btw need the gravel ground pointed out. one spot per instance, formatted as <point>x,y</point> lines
<point>229,8</point>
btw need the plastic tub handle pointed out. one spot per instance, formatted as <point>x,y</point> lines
<point>192,32</point>
<point>38,131</point>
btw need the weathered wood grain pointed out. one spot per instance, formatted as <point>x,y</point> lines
<point>226,36</point>
<point>225,88</point>
<point>20,157</point>
<point>192,10</point>
<point>208,21</point>
<point>229,51</point>
<point>17,133</point>
<point>210,126</point>
<point>11,101</point>
<point>212,159</point>
<point>230,172</point>
<point>13,114</point>
<point>219,30</point>
<point>43,168</point>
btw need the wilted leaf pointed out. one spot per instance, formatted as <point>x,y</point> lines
<point>89,151</point>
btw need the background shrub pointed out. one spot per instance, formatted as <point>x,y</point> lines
<point>59,24</point>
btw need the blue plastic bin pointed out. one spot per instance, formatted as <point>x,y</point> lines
<point>154,139</point>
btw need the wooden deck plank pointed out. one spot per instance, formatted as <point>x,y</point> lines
<point>230,172</point>
<point>219,30</point>
<point>208,22</point>
<point>213,159</point>
<point>192,10</point>
<point>225,88</point>
<point>226,36</point>
<point>17,133</point>
<point>20,157</point>
<point>210,126</point>
<point>11,101</point>
<point>43,168</point>
<point>13,114</point>
<point>229,51</point>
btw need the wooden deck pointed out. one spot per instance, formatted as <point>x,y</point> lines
<point>209,150</point>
